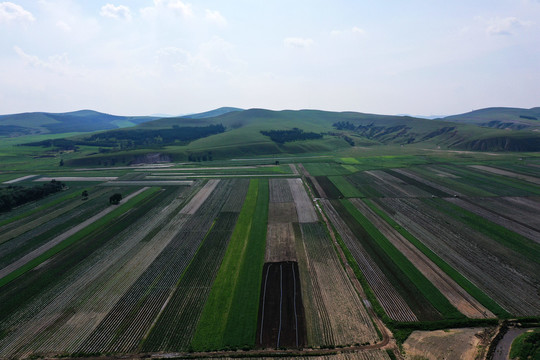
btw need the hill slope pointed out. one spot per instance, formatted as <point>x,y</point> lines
<point>243,134</point>
<point>57,123</point>
<point>501,118</point>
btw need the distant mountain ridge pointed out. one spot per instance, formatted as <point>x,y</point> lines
<point>500,118</point>
<point>57,123</point>
<point>80,121</point>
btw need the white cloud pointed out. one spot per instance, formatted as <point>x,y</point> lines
<point>296,42</point>
<point>116,12</point>
<point>180,8</point>
<point>355,30</point>
<point>10,12</point>
<point>63,26</point>
<point>174,7</point>
<point>57,63</point>
<point>505,26</point>
<point>215,17</point>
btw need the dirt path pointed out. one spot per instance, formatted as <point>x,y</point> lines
<point>34,254</point>
<point>457,296</point>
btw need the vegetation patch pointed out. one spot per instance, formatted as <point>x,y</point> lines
<point>216,314</point>
<point>526,346</point>
<point>15,195</point>
<point>296,134</point>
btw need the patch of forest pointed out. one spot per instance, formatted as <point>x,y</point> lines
<point>296,134</point>
<point>136,138</point>
<point>13,195</point>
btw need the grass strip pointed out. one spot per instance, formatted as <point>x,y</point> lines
<point>346,188</point>
<point>514,241</point>
<point>211,328</point>
<point>102,222</point>
<point>526,346</point>
<point>426,288</point>
<point>462,281</point>
<point>242,322</point>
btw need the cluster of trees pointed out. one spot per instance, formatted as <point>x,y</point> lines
<point>126,138</point>
<point>296,134</point>
<point>13,196</point>
<point>135,138</point>
<point>200,157</point>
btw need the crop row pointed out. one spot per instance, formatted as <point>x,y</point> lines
<point>130,320</point>
<point>501,273</point>
<point>450,271</point>
<point>45,228</point>
<point>177,322</point>
<point>68,238</point>
<point>403,270</point>
<point>391,301</point>
<point>46,298</point>
<point>347,319</point>
<point>211,329</point>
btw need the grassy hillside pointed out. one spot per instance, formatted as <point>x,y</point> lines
<point>243,134</point>
<point>52,123</point>
<point>501,118</point>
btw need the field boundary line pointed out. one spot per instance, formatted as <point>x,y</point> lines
<point>13,267</point>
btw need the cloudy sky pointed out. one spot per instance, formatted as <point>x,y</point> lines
<point>135,57</point>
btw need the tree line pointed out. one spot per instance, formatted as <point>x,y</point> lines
<point>296,134</point>
<point>13,195</point>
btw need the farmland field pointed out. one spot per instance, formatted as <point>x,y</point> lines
<point>259,257</point>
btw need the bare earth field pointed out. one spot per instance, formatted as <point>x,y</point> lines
<point>501,273</point>
<point>511,174</point>
<point>458,297</point>
<point>455,344</point>
<point>519,214</point>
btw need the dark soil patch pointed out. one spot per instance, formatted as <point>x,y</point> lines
<point>281,313</point>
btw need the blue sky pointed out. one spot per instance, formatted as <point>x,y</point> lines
<point>171,56</point>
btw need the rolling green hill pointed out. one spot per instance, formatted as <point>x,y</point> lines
<point>501,118</point>
<point>243,135</point>
<point>57,123</point>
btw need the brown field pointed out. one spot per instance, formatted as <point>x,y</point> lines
<point>54,322</point>
<point>304,205</point>
<point>58,239</point>
<point>507,173</point>
<point>200,197</point>
<point>281,313</point>
<point>458,344</point>
<point>501,273</point>
<point>280,191</point>
<point>282,212</point>
<point>458,297</point>
<point>343,317</point>
<point>392,303</point>
<point>430,183</point>
<point>280,243</point>
<point>391,186</point>
<point>519,214</point>
<point>315,183</point>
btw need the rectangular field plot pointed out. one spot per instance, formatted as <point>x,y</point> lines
<point>281,314</point>
<point>505,275</point>
<point>335,314</point>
